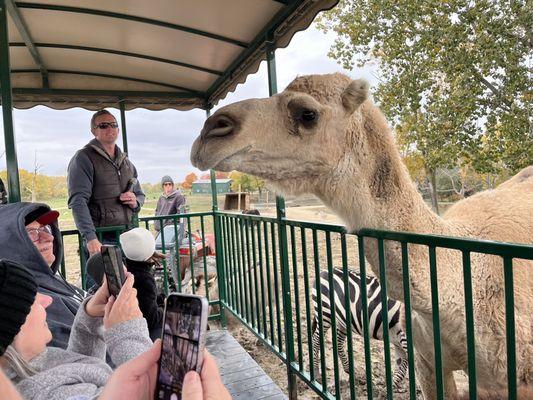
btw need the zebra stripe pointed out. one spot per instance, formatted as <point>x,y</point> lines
<point>375,323</point>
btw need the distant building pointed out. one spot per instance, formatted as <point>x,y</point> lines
<point>204,186</point>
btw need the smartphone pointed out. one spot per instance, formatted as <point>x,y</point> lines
<point>183,343</point>
<point>113,268</point>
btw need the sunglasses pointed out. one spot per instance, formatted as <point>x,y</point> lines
<point>35,233</point>
<point>168,184</point>
<point>105,125</point>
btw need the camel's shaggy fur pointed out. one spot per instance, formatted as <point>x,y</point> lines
<point>323,136</point>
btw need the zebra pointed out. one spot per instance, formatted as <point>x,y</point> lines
<point>396,334</point>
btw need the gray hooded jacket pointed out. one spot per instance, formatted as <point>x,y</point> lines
<point>168,205</point>
<point>81,369</point>
<point>16,245</point>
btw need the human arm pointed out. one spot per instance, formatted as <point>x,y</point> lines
<point>126,332</point>
<point>80,174</point>
<point>87,335</point>
<point>135,379</point>
<point>158,207</point>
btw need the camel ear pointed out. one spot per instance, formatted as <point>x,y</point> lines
<point>355,95</point>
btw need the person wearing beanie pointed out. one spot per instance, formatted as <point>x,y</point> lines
<point>169,203</point>
<point>102,323</point>
<point>30,236</point>
<point>138,247</point>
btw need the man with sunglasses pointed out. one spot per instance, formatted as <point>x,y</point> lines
<point>30,236</point>
<point>102,184</point>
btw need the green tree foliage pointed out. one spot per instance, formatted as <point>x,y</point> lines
<point>453,75</point>
<point>247,183</point>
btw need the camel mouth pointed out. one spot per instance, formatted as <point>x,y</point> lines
<point>222,164</point>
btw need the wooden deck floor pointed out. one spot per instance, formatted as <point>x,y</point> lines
<point>243,377</point>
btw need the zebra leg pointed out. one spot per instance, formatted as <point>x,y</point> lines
<point>341,340</point>
<point>316,343</point>
<point>402,366</point>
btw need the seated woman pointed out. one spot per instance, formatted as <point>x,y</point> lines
<point>30,236</point>
<point>101,323</point>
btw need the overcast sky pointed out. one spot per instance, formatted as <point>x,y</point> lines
<point>159,141</point>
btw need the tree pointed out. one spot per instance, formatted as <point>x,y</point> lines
<point>189,179</point>
<point>245,182</point>
<point>453,75</point>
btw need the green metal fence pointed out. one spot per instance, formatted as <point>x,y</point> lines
<point>265,270</point>
<point>270,265</point>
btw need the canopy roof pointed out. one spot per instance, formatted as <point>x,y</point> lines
<point>153,54</point>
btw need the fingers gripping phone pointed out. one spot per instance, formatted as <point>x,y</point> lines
<point>184,330</point>
<point>114,271</point>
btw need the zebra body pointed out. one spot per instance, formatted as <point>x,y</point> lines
<point>375,323</point>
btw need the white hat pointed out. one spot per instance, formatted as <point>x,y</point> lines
<point>138,244</point>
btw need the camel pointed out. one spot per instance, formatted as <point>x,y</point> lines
<point>323,135</point>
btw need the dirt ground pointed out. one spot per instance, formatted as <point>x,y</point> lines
<point>271,363</point>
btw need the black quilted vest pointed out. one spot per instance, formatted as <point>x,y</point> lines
<point>110,179</point>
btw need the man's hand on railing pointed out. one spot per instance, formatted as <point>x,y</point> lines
<point>94,246</point>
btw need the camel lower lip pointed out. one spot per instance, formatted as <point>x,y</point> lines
<point>238,152</point>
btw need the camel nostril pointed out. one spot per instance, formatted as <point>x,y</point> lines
<point>221,126</point>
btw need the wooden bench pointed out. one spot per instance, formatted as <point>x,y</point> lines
<point>243,377</point>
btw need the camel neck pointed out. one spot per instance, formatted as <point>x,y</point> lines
<point>392,204</point>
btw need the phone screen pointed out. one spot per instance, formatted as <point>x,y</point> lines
<point>114,271</point>
<point>182,347</point>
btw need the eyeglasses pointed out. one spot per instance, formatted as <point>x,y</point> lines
<point>35,233</point>
<point>168,184</point>
<point>105,125</point>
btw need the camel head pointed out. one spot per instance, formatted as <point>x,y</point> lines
<point>291,139</point>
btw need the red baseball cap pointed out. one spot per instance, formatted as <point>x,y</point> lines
<point>44,218</point>
<point>48,217</point>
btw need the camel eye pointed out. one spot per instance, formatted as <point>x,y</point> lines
<point>308,118</point>
<point>308,115</point>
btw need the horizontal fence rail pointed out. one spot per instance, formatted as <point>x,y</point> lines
<point>270,268</point>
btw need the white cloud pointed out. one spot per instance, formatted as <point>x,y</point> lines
<point>159,141</point>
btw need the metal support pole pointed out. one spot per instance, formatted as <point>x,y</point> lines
<point>7,110</point>
<point>283,250</point>
<point>218,242</point>
<point>123,126</point>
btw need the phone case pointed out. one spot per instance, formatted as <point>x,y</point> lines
<point>177,334</point>
<point>114,271</point>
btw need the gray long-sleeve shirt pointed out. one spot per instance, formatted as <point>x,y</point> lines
<point>81,370</point>
<point>80,179</point>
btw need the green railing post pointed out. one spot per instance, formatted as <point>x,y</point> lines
<point>218,244</point>
<point>122,104</point>
<point>283,250</point>
<point>7,110</point>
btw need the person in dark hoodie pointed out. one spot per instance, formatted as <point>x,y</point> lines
<point>169,203</point>
<point>3,193</point>
<point>30,235</point>
<point>102,183</point>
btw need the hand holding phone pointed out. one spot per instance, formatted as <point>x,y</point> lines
<point>184,329</point>
<point>113,268</point>
<point>206,386</point>
<point>124,307</point>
